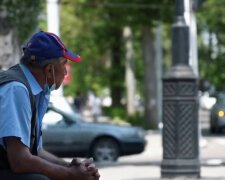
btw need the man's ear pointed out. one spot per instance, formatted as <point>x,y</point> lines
<point>48,71</point>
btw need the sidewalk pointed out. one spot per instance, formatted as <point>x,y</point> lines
<point>151,171</point>
<point>146,166</point>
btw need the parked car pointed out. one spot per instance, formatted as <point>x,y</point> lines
<point>66,134</point>
<point>217,114</point>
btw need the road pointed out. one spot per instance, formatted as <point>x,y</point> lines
<point>215,143</point>
<point>147,164</point>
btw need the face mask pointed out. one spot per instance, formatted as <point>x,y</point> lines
<point>47,88</point>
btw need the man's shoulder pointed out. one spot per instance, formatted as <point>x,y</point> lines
<point>12,77</point>
<point>13,85</point>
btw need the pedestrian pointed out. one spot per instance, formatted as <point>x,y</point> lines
<point>78,102</point>
<point>24,96</point>
<point>95,105</point>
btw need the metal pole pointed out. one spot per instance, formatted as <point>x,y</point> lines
<point>158,67</point>
<point>53,21</point>
<point>189,15</point>
<point>180,107</point>
<point>130,78</point>
<point>53,16</point>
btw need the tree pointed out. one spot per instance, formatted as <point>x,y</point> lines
<point>18,20</point>
<point>211,42</point>
<point>102,44</point>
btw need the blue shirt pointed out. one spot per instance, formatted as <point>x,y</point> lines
<point>15,109</point>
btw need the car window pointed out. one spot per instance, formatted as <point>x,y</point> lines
<point>52,117</point>
<point>60,105</point>
<point>74,116</point>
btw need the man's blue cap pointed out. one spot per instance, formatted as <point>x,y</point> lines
<point>45,45</point>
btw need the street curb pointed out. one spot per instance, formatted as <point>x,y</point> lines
<point>204,163</point>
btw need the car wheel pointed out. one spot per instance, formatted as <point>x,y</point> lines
<point>219,130</point>
<point>216,130</point>
<point>212,129</point>
<point>105,150</point>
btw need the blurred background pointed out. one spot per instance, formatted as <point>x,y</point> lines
<point>125,47</point>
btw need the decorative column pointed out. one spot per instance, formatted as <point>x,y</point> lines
<point>180,107</point>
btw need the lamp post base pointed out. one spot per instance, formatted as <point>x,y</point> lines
<point>180,168</point>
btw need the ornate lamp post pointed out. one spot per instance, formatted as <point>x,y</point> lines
<point>180,107</point>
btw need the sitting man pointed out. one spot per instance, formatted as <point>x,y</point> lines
<point>24,97</point>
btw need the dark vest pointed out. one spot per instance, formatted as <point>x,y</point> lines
<point>15,73</point>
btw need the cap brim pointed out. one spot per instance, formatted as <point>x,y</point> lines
<point>71,56</point>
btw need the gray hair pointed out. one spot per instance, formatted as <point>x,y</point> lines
<point>37,64</point>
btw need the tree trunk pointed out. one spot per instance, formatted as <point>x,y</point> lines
<point>129,78</point>
<point>9,46</point>
<point>117,72</point>
<point>150,81</point>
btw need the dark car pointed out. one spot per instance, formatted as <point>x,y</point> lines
<point>217,114</point>
<point>66,134</point>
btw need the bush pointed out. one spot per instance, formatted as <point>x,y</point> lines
<point>120,116</point>
<point>137,120</point>
<point>115,112</point>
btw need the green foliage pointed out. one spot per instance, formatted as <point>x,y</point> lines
<point>211,20</point>
<point>120,116</point>
<point>212,14</point>
<point>21,15</point>
<point>115,111</point>
<point>88,27</point>
<point>137,120</point>
<point>214,71</point>
<point>95,32</point>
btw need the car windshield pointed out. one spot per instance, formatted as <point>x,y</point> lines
<point>69,113</point>
<point>59,109</point>
<point>220,97</point>
<point>54,115</point>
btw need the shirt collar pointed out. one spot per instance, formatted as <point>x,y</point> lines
<point>35,87</point>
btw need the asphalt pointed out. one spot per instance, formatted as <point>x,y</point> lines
<point>147,165</point>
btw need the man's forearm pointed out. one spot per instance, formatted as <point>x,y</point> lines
<point>52,158</point>
<point>42,166</point>
<point>24,162</point>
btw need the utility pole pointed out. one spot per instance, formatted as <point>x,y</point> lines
<point>53,22</point>
<point>130,77</point>
<point>180,107</point>
<point>158,67</point>
<point>53,16</point>
<point>190,18</point>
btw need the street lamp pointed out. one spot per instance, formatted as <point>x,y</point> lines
<point>180,107</point>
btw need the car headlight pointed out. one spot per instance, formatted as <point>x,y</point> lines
<point>221,113</point>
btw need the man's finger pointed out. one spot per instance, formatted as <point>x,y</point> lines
<point>91,167</point>
<point>88,161</point>
<point>97,175</point>
<point>75,162</point>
